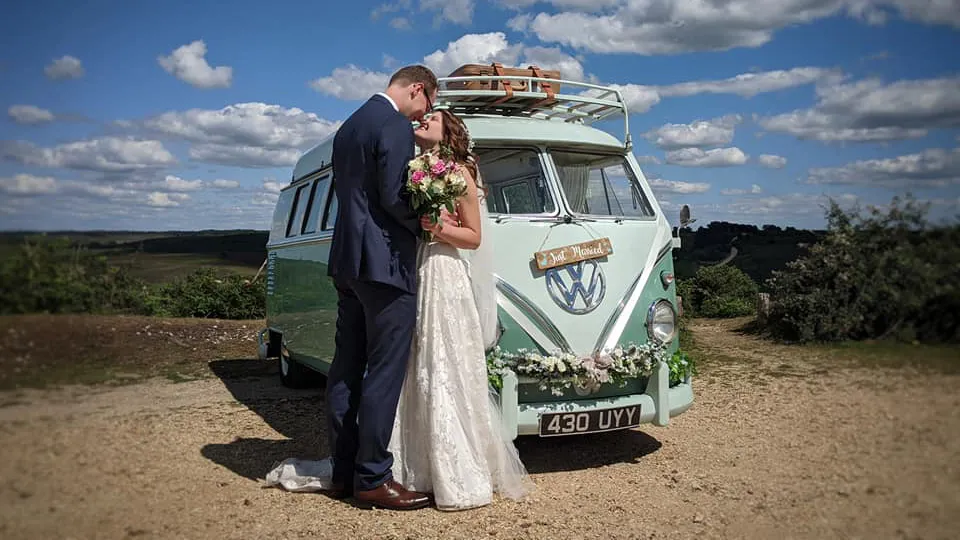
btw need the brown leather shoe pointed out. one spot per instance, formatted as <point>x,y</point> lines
<point>392,496</point>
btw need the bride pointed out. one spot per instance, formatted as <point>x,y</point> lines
<point>447,438</point>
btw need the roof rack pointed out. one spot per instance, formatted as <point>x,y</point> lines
<point>591,104</point>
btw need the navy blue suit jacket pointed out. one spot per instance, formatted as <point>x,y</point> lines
<point>376,232</point>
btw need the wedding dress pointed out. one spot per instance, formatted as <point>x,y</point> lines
<point>447,437</point>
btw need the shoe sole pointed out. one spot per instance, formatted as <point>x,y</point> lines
<point>368,505</point>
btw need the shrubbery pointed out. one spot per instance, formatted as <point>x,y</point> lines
<point>53,276</point>
<point>205,293</point>
<point>718,292</point>
<point>886,272</point>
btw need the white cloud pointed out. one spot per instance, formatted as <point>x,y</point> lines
<point>28,184</point>
<point>697,157</point>
<point>455,11</point>
<point>553,58</point>
<point>160,199</point>
<point>65,67</point>
<point>188,63</point>
<point>270,185</point>
<point>870,110</point>
<point>473,49</point>
<point>351,83</point>
<point>935,167</point>
<point>245,134</point>
<point>225,184</point>
<point>751,84</point>
<point>175,183</point>
<point>354,83</point>
<point>771,161</point>
<point>670,186</point>
<point>640,98</point>
<point>105,154</point>
<point>652,27</point>
<point>400,23</point>
<point>754,190</point>
<point>245,156</point>
<point>265,199</point>
<point>699,134</point>
<point>29,114</point>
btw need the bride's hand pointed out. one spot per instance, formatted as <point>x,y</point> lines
<point>450,219</point>
<point>429,226</point>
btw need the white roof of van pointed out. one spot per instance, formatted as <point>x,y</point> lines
<point>492,128</point>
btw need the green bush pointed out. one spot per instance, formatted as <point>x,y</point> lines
<point>206,293</point>
<point>886,272</point>
<point>719,292</point>
<point>53,276</point>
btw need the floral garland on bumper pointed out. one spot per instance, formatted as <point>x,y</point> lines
<point>564,370</point>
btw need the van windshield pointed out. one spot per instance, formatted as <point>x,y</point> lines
<point>600,184</point>
<point>515,181</point>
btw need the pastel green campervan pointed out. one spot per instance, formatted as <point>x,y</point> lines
<point>555,179</point>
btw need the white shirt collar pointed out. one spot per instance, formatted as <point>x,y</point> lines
<point>390,99</point>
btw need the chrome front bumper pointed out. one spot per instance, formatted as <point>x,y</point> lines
<point>657,404</point>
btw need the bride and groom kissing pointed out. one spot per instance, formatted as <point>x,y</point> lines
<point>412,420</point>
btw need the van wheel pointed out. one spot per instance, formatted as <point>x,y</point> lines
<point>295,375</point>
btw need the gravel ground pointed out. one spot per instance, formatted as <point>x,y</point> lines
<point>777,445</point>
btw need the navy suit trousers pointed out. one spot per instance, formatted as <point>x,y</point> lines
<point>375,327</point>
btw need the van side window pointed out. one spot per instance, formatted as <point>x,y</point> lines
<point>297,211</point>
<point>515,181</point>
<point>315,210</point>
<point>332,207</point>
<point>600,184</point>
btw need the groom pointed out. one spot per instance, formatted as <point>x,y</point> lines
<point>373,264</point>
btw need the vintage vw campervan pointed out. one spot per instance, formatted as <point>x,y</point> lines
<point>585,290</point>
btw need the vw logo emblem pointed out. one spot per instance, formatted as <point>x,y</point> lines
<point>577,288</point>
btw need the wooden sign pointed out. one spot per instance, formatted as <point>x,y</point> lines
<point>594,249</point>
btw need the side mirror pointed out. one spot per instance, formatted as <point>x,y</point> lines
<point>685,216</point>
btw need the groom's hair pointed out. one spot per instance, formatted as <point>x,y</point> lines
<point>408,75</point>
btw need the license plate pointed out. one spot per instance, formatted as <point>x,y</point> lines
<point>575,423</point>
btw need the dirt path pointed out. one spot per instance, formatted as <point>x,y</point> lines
<point>777,445</point>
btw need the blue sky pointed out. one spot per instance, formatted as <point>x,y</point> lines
<point>121,115</point>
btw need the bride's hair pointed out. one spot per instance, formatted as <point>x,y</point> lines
<point>456,136</point>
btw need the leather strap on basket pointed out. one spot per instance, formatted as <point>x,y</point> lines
<point>544,86</point>
<point>507,85</point>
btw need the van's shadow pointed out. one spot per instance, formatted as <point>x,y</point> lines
<point>299,415</point>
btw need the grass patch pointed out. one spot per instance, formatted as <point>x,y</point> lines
<point>39,351</point>
<point>166,267</point>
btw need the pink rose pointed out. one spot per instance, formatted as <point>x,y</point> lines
<point>438,168</point>
<point>417,177</point>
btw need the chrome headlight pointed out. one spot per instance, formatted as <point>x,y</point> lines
<point>661,321</point>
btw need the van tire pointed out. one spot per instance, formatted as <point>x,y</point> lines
<point>294,374</point>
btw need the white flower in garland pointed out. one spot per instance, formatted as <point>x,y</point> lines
<point>563,370</point>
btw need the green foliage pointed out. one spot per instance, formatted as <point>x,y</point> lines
<point>52,276</point>
<point>206,293</point>
<point>55,276</point>
<point>886,272</point>
<point>718,292</point>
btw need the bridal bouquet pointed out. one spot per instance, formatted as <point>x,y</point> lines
<point>435,181</point>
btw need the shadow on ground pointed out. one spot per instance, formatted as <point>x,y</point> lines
<point>298,416</point>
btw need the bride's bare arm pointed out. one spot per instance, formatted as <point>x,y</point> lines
<point>467,235</point>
